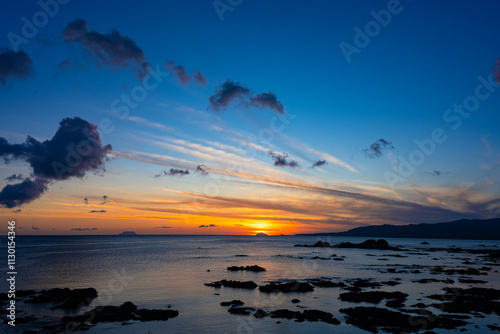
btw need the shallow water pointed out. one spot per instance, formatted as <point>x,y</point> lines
<point>170,271</point>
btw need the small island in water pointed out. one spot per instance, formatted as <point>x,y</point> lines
<point>128,233</point>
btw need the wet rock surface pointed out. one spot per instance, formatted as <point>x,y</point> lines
<point>69,299</point>
<point>254,268</point>
<point>287,287</point>
<point>233,284</point>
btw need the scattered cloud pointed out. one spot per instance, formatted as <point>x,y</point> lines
<point>201,169</point>
<point>231,91</point>
<point>211,225</point>
<point>17,211</point>
<point>111,49</point>
<point>200,79</point>
<point>227,93</point>
<point>179,71</point>
<point>14,64</point>
<point>86,201</point>
<point>281,160</point>
<point>74,151</point>
<point>173,172</point>
<point>163,227</point>
<point>104,199</point>
<point>14,177</point>
<point>496,70</point>
<point>97,211</point>
<point>268,100</point>
<point>84,229</point>
<point>319,163</point>
<point>377,148</point>
<point>64,64</point>
<point>433,173</point>
<point>35,228</point>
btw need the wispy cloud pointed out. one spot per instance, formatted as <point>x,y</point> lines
<point>173,172</point>
<point>211,225</point>
<point>281,160</point>
<point>319,163</point>
<point>377,148</point>
<point>97,211</point>
<point>84,229</point>
<point>156,125</point>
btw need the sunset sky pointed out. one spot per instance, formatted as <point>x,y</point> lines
<point>238,117</point>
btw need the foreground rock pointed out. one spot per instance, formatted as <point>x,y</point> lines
<point>373,297</point>
<point>469,300</point>
<point>367,244</point>
<point>287,287</point>
<point>309,315</point>
<point>127,311</point>
<point>69,299</point>
<point>255,268</point>
<point>373,319</point>
<point>233,284</point>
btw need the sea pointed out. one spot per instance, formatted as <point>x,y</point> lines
<point>169,272</point>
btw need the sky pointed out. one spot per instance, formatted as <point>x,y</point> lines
<point>240,117</point>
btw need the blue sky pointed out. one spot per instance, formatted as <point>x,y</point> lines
<point>361,114</point>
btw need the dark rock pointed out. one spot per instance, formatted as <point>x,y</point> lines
<point>367,244</point>
<point>232,303</point>
<point>327,284</point>
<point>373,318</point>
<point>309,315</point>
<point>69,299</point>
<point>372,296</point>
<point>255,268</point>
<point>233,284</point>
<point>241,310</point>
<point>260,313</point>
<point>470,300</point>
<point>471,281</point>
<point>424,243</point>
<point>317,244</point>
<point>493,327</point>
<point>320,258</point>
<point>127,311</point>
<point>295,300</point>
<point>287,287</point>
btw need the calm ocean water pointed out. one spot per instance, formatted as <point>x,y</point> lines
<point>163,271</point>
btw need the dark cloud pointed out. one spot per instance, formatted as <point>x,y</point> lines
<point>319,163</point>
<point>14,177</point>
<point>200,79</point>
<point>111,49</point>
<point>86,200</point>
<point>17,211</point>
<point>179,71</point>
<point>104,199</point>
<point>35,228</point>
<point>163,227</point>
<point>231,91</point>
<point>74,151</point>
<point>14,64</point>
<point>173,172</point>
<point>84,229</point>
<point>97,211</point>
<point>496,71</point>
<point>281,160</point>
<point>64,64</point>
<point>377,148</point>
<point>13,195</point>
<point>202,170</point>
<point>434,173</point>
<point>227,93</point>
<point>211,225</point>
<point>268,100</point>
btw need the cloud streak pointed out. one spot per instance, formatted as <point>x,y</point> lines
<point>281,160</point>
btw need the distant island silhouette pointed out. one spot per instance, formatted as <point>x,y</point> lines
<point>480,229</point>
<point>128,233</point>
<point>261,234</point>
